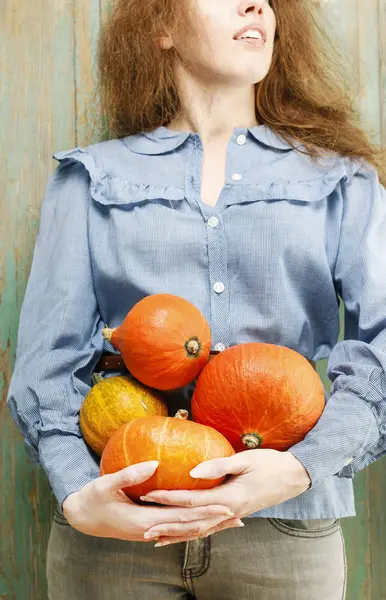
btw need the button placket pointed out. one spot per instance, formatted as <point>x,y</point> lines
<point>218,276</point>
<point>220,320</point>
<point>218,268</point>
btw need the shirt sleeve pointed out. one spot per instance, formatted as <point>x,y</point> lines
<point>351,432</point>
<point>59,337</point>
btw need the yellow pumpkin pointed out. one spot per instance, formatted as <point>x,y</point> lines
<point>113,402</point>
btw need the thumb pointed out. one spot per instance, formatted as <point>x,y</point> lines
<point>218,467</point>
<point>130,475</point>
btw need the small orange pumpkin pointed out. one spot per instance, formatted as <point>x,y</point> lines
<point>177,443</point>
<point>164,341</point>
<point>112,402</point>
<point>259,396</point>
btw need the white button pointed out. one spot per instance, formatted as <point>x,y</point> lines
<point>348,461</point>
<point>219,346</point>
<point>241,139</point>
<point>213,221</point>
<point>219,287</point>
<point>236,176</point>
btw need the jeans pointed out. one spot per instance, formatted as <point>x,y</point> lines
<point>268,559</point>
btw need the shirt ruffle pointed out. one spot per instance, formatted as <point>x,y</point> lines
<point>110,189</point>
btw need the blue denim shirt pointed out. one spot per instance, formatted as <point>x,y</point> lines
<point>122,219</point>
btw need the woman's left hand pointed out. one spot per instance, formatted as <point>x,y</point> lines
<point>260,478</point>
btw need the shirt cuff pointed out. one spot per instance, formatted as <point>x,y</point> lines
<point>346,429</point>
<point>68,462</point>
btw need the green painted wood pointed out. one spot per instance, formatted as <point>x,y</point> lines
<point>382,50</point>
<point>49,103</point>
<point>87,21</point>
<point>377,487</point>
<point>43,108</point>
<point>360,27</point>
<point>369,69</point>
<point>356,529</point>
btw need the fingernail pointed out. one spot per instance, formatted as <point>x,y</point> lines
<point>151,534</point>
<point>161,544</point>
<point>146,498</point>
<point>241,524</point>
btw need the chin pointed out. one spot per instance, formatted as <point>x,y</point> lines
<point>249,79</point>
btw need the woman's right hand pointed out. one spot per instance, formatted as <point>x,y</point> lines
<point>102,509</point>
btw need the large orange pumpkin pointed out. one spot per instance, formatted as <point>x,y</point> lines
<point>259,396</point>
<point>112,402</point>
<point>164,341</point>
<point>177,443</point>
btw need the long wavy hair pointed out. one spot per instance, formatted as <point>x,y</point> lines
<point>307,96</point>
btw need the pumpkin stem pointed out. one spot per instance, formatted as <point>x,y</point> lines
<point>107,332</point>
<point>181,414</point>
<point>96,378</point>
<point>192,346</point>
<point>252,440</point>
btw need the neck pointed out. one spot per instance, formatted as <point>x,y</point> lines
<point>214,110</point>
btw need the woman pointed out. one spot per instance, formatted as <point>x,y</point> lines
<point>236,176</point>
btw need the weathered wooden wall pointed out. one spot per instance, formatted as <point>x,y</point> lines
<point>360,25</point>
<point>46,95</point>
<point>46,102</point>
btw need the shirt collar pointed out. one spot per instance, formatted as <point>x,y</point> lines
<point>162,139</point>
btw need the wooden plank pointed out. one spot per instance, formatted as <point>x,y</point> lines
<point>356,530</point>
<point>44,107</point>
<point>377,471</point>
<point>349,20</point>
<point>37,114</point>
<point>105,8</point>
<point>377,528</point>
<point>365,39</point>
<point>382,61</point>
<point>369,67</point>
<point>88,120</point>
<point>357,538</point>
<point>341,18</point>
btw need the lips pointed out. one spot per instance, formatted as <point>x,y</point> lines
<point>256,26</point>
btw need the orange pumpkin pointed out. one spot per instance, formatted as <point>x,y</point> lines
<point>178,444</point>
<point>164,341</point>
<point>259,396</point>
<point>112,402</point>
